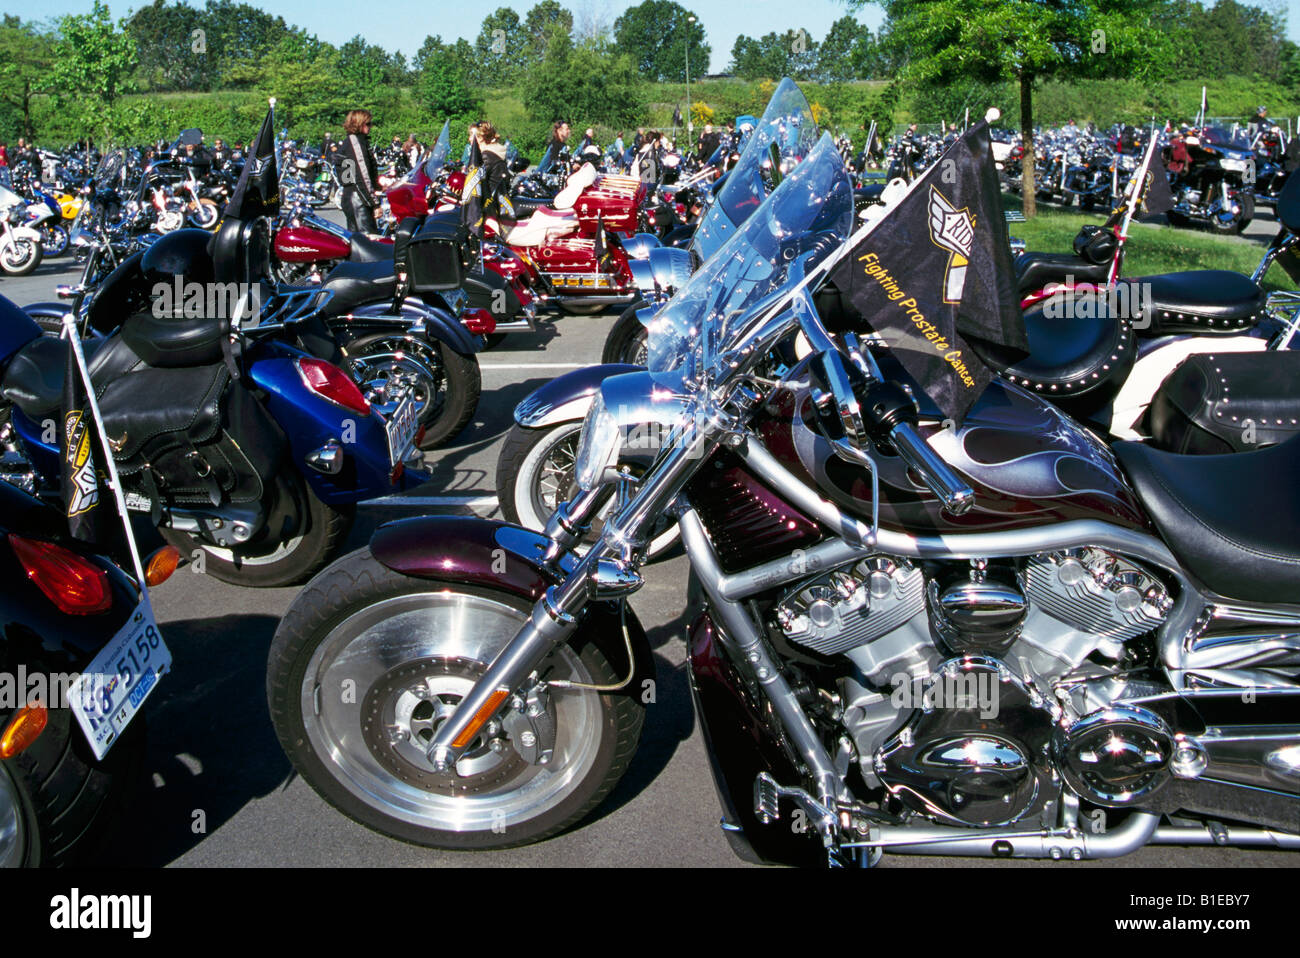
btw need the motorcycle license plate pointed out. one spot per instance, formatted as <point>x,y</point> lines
<point>108,694</point>
<point>401,426</point>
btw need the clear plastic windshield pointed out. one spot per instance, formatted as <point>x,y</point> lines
<point>1222,136</point>
<point>787,122</point>
<point>812,210</point>
<point>438,155</point>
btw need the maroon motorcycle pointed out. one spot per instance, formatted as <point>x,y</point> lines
<point>999,639</point>
<point>307,246</point>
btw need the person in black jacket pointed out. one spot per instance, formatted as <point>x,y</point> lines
<point>358,173</point>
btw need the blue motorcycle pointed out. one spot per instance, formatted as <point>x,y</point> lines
<point>236,430</point>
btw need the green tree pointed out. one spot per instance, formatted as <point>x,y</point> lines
<point>442,90</point>
<point>26,56</point>
<point>1027,41</point>
<point>539,22</point>
<point>589,83</point>
<point>846,53</point>
<point>238,33</point>
<point>94,61</point>
<point>500,48</point>
<point>774,55</point>
<point>171,41</point>
<point>655,34</point>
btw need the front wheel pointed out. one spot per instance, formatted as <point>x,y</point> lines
<point>19,257</point>
<point>206,215</point>
<point>54,240</point>
<point>535,473</point>
<point>627,339</point>
<point>368,663</point>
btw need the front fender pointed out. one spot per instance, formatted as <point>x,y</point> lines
<point>47,310</point>
<point>467,550</point>
<point>566,398</point>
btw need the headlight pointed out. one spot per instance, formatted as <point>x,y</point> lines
<point>1128,163</point>
<point>598,448</point>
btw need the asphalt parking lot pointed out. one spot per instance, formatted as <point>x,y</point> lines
<point>218,790</point>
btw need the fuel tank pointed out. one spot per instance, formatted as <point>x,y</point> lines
<point>1029,463</point>
<point>303,244</point>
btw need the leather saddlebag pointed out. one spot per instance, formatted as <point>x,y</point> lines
<point>190,437</point>
<point>1227,402</point>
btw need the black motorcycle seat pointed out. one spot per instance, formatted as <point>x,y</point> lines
<point>167,342</point>
<point>354,284</point>
<point>1074,356</point>
<point>1229,519</point>
<point>367,250</point>
<point>34,380</point>
<point>1035,270</point>
<point>1204,301</point>
<point>526,206</point>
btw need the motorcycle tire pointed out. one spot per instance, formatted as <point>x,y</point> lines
<point>456,376</point>
<point>1239,222</point>
<point>206,216</point>
<point>347,619</point>
<point>265,564</point>
<point>54,240</point>
<point>535,474</point>
<point>627,339</point>
<point>57,801</point>
<point>21,257</point>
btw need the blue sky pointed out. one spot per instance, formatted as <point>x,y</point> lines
<point>403,24</point>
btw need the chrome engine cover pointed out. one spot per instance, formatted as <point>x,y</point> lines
<point>973,763</point>
<point>1115,756</point>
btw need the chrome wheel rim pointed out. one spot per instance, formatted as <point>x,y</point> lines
<point>13,253</point>
<point>387,370</point>
<point>383,679</point>
<point>13,839</point>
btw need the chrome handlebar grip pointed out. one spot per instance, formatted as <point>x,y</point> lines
<point>957,497</point>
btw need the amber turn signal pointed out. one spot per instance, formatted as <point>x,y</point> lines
<point>161,565</point>
<point>480,718</point>
<point>23,729</point>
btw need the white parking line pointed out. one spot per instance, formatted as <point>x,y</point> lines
<point>415,502</point>
<point>487,366</point>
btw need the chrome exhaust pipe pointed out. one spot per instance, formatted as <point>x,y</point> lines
<point>1225,836</point>
<point>1057,845</point>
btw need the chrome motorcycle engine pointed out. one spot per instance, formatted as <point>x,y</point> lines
<point>975,693</point>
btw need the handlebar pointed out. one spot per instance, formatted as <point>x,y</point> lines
<point>957,497</point>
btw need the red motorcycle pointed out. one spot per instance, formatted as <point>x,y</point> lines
<point>568,245</point>
<point>307,246</point>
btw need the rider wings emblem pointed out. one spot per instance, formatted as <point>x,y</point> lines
<point>954,230</point>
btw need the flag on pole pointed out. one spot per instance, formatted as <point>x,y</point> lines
<point>258,191</point>
<point>79,477</point>
<point>935,277</point>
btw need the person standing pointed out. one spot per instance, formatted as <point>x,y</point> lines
<point>359,173</point>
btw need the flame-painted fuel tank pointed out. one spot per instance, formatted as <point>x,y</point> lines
<point>1029,463</point>
<point>303,244</point>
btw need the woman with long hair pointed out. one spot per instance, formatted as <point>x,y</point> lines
<point>358,173</point>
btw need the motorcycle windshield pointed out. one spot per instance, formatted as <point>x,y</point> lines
<point>787,122</point>
<point>1222,136</point>
<point>712,312</point>
<point>438,155</point>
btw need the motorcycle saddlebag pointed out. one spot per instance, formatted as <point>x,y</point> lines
<point>190,436</point>
<point>433,255</point>
<point>1227,402</point>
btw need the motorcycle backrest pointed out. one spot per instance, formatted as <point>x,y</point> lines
<point>1288,204</point>
<point>241,253</point>
<point>17,329</point>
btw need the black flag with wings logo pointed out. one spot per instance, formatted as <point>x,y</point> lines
<point>935,278</point>
<point>80,480</point>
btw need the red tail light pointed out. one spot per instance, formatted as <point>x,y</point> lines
<point>76,585</point>
<point>329,382</point>
<point>479,322</point>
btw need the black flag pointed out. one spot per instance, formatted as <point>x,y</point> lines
<point>936,279</point>
<point>80,480</point>
<point>258,191</point>
<point>472,205</point>
<point>1156,197</point>
<point>677,116</point>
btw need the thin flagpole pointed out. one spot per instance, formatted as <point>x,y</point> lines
<point>70,331</point>
<point>1132,201</point>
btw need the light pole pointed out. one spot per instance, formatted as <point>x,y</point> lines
<point>690,126</point>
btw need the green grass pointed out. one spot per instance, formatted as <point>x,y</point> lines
<point>1150,249</point>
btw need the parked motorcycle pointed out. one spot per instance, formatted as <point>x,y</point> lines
<point>254,457</point>
<point>1002,639</point>
<point>21,246</point>
<point>1215,186</point>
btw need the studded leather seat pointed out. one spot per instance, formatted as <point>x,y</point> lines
<point>1035,270</point>
<point>1074,356</point>
<point>1203,301</point>
<point>1229,519</point>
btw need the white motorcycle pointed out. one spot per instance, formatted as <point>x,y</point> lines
<point>20,245</point>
